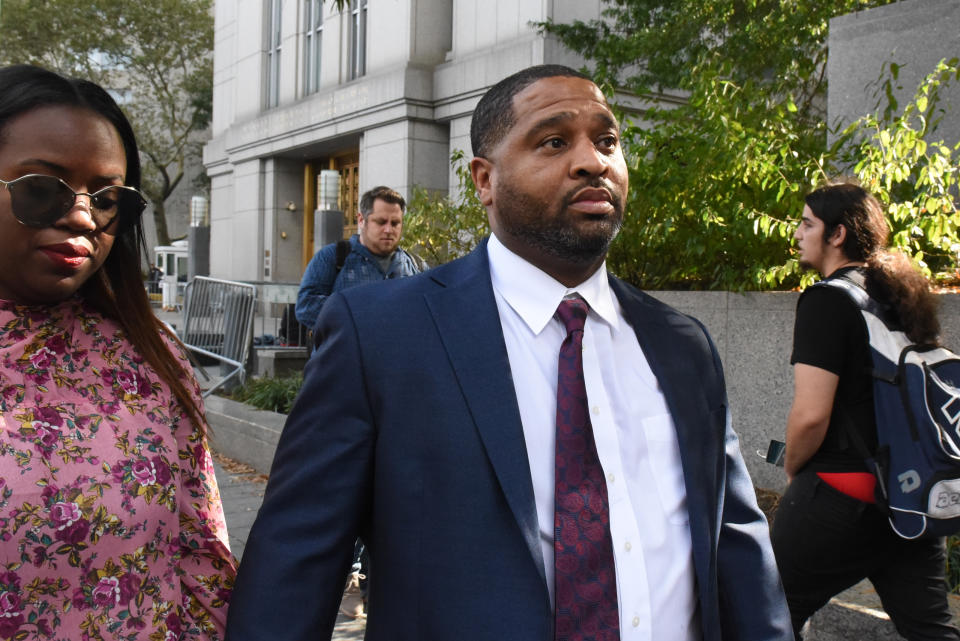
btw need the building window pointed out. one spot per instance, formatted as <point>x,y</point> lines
<point>358,38</point>
<point>273,52</point>
<point>312,45</point>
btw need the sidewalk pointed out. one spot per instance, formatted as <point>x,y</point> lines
<point>241,489</point>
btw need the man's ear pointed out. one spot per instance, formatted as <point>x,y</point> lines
<point>481,170</point>
<point>839,236</point>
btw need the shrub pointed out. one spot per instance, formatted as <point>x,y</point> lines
<point>268,393</point>
<point>440,228</point>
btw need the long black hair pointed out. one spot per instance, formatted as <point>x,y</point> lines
<point>116,289</point>
<point>891,277</point>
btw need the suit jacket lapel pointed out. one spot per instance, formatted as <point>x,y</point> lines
<point>465,313</point>
<point>659,335</point>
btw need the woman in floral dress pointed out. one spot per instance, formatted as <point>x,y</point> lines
<point>111,525</point>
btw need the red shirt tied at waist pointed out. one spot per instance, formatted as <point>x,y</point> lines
<point>859,485</point>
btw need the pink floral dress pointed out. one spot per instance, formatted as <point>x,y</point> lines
<point>111,525</point>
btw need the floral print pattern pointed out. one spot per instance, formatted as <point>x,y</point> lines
<point>111,526</point>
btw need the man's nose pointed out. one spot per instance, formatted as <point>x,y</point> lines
<point>588,160</point>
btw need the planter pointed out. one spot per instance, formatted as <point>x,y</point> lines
<point>243,433</point>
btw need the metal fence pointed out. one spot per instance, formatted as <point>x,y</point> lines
<point>218,320</point>
<point>276,325</point>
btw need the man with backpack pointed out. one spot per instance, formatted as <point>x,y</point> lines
<point>829,532</point>
<point>370,255</point>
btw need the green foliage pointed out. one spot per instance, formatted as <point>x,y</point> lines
<point>780,45</point>
<point>271,394</point>
<point>715,186</point>
<point>724,196</point>
<point>439,228</point>
<point>157,53</point>
<point>898,160</point>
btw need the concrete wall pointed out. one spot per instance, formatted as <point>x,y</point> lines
<point>754,334</point>
<point>242,433</point>
<point>915,34</point>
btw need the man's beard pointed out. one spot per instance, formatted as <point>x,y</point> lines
<point>557,235</point>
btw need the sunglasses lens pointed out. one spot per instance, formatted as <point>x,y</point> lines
<point>106,200</point>
<point>130,202</point>
<point>113,201</point>
<point>39,201</point>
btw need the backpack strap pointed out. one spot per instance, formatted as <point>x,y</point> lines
<point>857,291</point>
<point>343,250</point>
<point>876,462</point>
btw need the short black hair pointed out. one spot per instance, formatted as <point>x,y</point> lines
<point>385,194</point>
<point>494,117</point>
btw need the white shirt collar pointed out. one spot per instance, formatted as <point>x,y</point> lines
<point>534,295</point>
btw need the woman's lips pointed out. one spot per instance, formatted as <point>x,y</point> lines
<point>66,254</point>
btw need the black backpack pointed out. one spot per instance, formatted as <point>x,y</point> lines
<point>340,257</point>
<point>342,251</point>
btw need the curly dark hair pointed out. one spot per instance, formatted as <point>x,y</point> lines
<point>891,276</point>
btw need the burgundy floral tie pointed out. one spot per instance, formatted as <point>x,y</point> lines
<point>586,583</point>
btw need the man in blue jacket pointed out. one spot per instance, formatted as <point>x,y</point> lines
<point>372,255</point>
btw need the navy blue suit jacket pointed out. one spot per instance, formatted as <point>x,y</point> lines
<point>407,433</point>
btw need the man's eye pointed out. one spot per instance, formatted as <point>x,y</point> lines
<point>554,143</point>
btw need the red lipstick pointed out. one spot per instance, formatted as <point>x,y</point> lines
<point>66,255</point>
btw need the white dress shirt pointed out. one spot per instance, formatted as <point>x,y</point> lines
<point>635,437</point>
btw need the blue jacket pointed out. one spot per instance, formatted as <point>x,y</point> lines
<point>321,278</point>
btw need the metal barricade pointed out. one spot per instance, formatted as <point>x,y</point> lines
<point>275,325</point>
<point>218,323</point>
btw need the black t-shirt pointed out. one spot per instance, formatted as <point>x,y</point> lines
<point>830,333</point>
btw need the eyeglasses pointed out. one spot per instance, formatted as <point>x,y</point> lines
<point>40,201</point>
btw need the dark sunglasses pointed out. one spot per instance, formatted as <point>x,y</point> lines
<point>40,201</point>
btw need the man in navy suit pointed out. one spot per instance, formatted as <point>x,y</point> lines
<point>439,430</point>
